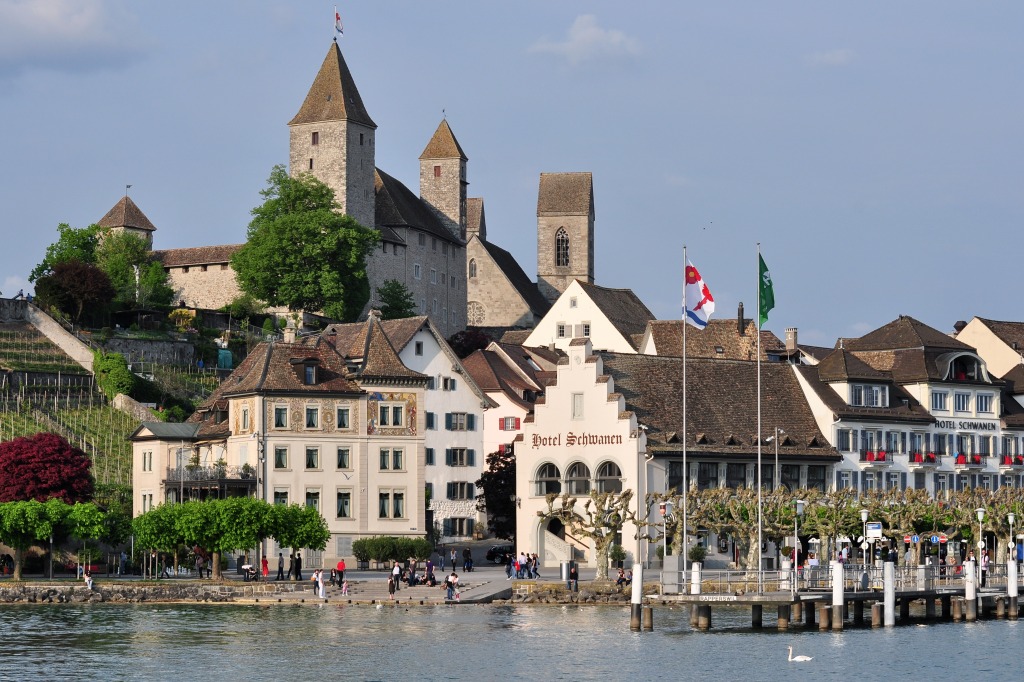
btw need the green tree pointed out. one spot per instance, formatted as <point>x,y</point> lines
<point>298,526</point>
<point>497,487</point>
<point>302,253</point>
<point>138,280</point>
<point>24,523</point>
<point>396,300</point>
<point>220,526</point>
<point>72,244</point>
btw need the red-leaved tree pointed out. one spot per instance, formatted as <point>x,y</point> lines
<point>43,467</point>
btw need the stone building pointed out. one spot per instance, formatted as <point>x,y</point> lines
<point>565,232</point>
<point>201,276</point>
<point>126,216</point>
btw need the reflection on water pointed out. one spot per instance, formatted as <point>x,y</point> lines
<point>255,642</point>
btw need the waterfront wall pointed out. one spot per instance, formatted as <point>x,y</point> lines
<point>78,593</point>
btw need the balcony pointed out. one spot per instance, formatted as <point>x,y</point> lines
<point>195,473</point>
<point>923,460</point>
<point>875,459</point>
<point>962,462</point>
<point>1011,462</point>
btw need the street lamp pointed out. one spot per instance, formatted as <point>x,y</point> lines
<point>664,529</point>
<point>796,540</point>
<point>775,478</point>
<point>864,542</point>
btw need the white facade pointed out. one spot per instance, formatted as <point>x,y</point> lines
<point>579,439</point>
<point>576,315</point>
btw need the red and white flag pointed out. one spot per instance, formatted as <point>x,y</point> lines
<point>698,303</point>
<point>337,22</point>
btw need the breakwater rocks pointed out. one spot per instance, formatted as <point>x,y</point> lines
<point>126,593</point>
<point>556,593</point>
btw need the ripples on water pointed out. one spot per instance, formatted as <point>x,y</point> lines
<point>200,642</point>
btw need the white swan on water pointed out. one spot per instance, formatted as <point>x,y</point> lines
<point>801,659</point>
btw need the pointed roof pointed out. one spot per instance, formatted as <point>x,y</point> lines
<point>127,214</point>
<point>902,333</point>
<point>475,221</point>
<point>443,145</point>
<point>367,344</point>
<point>565,194</point>
<point>622,307</point>
<point>903,407</point>
<point>333,95</point>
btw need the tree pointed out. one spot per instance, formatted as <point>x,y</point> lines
<point>73,244</point>
<point>138,280</point>
<point>26,522</point>
<point>396,300</point>
<point>42,467</point>
<point>497,487</point>
<point>298,526</point>
<point>302,252</point>
<point>601,520</point>
<point>74,285</point>
<point>466,342</point>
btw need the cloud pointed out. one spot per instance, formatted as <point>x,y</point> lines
<point>840,57</point>
<point>66,35</point>
<point>586,41</point>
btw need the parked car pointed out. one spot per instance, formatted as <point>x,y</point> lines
<point>499,553</point>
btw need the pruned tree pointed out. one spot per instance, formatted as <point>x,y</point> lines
<point>497,485</point>
<point>26,522</point>
<point>600,520</point>
<point>299,526</point>
<point>44,466</point>
<point>302,252</point>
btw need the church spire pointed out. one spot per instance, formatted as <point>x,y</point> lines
<point>333,95</point>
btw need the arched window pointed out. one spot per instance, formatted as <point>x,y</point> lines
<point>472,268</point>
<point>561,247</point>
<point>549,480</point>
<point>578,479</point>
<point>609,478</point>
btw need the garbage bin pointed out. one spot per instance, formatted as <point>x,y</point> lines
<point>564,570</point>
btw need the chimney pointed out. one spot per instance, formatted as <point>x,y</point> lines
<point>791,339</point>
<point>739,320</point>
<point>958,327</point>
<point>289,332</point>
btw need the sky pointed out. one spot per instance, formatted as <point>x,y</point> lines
<point>873,150</point>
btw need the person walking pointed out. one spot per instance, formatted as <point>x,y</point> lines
<point>454,557</point>
<point>320,582</point>
<point>467,559</point>
<point>392,586</point>
<point>341,571</point>
<point>280,565</point>
<point>984,566</point>
<point>265,568</point>
<point>291,566</point>
<point>298,565</point>
<point>396,573</point>
<point>509,565</point>
<point>536,567</point>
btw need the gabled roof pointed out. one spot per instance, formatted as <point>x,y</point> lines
<point>443,145</point>
<point>197,255</point>
<point>705,343</point>
<point>622,307</point>
<point>366,344</point>
<point>275,368</point>
<point>475,220</point>
<point>904,332</point>
<point>126,213</point>
<point>491,373</point>
<point>164,431</point>
<point>516,336</point>
<point>1010,333</point>
<point>396,206</point>
<point>1014,380</point>
<point>721,404</point>
<point>902,405</point>
<point>519,280</point>
<point>842,365</point>
<point>333,95</point>
<point>565,194</point>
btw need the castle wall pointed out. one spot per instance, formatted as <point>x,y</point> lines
<point>204,286</point>
<point>342,158</point>
<point>492,301</point>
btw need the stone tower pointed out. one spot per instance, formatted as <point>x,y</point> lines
<point>332,137</point>
<point>126,216</point>
<point>565,231</point>
<point>443,179</point>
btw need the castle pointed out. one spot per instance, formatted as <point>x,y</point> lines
<point>435,243</point>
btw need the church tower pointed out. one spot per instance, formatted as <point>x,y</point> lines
<point>332,137</point>
<point>443,179</point>
<point>565,232</point>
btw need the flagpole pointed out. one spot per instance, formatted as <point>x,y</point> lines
<point>760,541</point>
<point>686,471</point>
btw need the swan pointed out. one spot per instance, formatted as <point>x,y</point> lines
<point>793,658</point>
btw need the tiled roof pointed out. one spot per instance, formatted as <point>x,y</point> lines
<point>197,255</point>
<point>125,213</point>
<point>816,352</point>
<point>526,288</point>
<point>490,372</point>
<point>721,404</point>
<point>166,430</point>
<point>1014,379</point>
<point>367,344</point>
<point>565,194</point>
<point>278,368</point>
<point>443,145</point>
<point>719,334</point>
<point>475,220</point>
<point>903,406</point>
<point>516,337</point>
<point>401,331</point>
<point>622,307</point>
<point>396,206</point>
<point>904,332</point>
<point>842,365</point>
<point>333,95</point>
<point>1010,333</point>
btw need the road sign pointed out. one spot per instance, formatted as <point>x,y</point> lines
<point>916,539</point>
<point>935,539</point>
<point>943,538</point>
<point>874,530</point>
<point>907,539</point>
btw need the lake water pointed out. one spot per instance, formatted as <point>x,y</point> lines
<point>507,643</point>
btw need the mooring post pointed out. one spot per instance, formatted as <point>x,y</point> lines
<point>837,617</point>
<point>694,614</point>
<point>824,617</point>
<point>838,596</point>
<point>784,613</point>
<point>647,618</point>
<point>798,611</point>
<point>704,617</point>
<point>809,616</point>
<point>970,592</point>
<point>1000,607</point>
<point>889,585</point>
<point>755,616</point>
<point>958,609</point>
<point>1012,588</point>
<point>876,614</point>
<point>858,612</point>
<point>637,597</point>
<point>695,571</point>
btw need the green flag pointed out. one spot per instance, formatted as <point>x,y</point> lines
<point>767,293</point>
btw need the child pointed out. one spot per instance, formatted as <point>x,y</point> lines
<point>88,580</point>
<point>391,587</point>
<point>344,588</point>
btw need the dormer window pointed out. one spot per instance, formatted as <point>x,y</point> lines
<point>309,376</point>
<point>305,370</point>
<point>867,395</point>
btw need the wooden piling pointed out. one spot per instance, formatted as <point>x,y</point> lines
<point>693,615</point>
<point>837,617</point>
<point>1000,608</point>
<point>958,609</point>
<point>929,607</point>
<point>784,613</point>
<point>824,617</point>
<point>947,606</point>
<point>904,609</point>
<point>704,617</point>
<point>647,618</point>
<point>858,612</point>
<point>877,612</point>
<point>971,610</point>
<point>798,611</point>
<point>1012,611</point>
<point>809,616</point>
<point>756,611</point>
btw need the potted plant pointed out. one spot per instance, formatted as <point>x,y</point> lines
<point>787,557</point>
<point>220,468</point>
<point>697,554</point>
<point>248,470</point>
<point>618,555</point>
